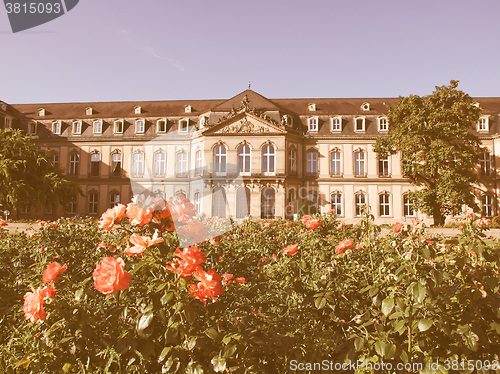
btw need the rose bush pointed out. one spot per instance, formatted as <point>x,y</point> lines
<point>248,301</point>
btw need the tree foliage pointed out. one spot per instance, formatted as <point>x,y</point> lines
<point>27,175</point>
<point>439,151</point>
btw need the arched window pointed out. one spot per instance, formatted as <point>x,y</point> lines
<point>137,164</point>
<point>74,164</point>
<point>336,203</point>
<point>220,157</point>
<point>95,164</point>
<point>244,159</point>
<point>242,202</point>
<point>384,206</point>
<point>160,163</point>
<point>268,159</point>
<point>219,203</point>
<point>359,203</point>
<point>267,202</point>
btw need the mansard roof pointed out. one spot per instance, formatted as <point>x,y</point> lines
<point>176,108</point>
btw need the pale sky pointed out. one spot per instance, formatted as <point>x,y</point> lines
<point>117,50</point>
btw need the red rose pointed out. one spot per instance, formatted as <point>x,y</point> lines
<point>33,303</point>
<point>190,260</point>
<point>397,227</point>
<point>209,285</point>
<point>313,223</point>
<point>53,270</point>
<point>291,249</point>
<point>343,245</point>
<point>109,276</point>
<point>305,218</point>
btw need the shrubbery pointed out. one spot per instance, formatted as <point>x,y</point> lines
<point>308,290</point>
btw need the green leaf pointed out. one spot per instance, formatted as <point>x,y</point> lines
<point>359,344</point>
<point>389,351</point>
<point>78,294</point>
<point>320,302</point>
<point>164,353</point>
<point>424,324</point>
<point>143,323</point>
<point>387,305</point>
<point>190,313</point>
<point>373,291</point>
<point>212,333</point>
<point>23,362</point>
<point>167,297</point>
<point>219,364</point>
<point>399,327</point>
<point>379,348</point>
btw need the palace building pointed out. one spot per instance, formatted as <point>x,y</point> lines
<point>248,155</point>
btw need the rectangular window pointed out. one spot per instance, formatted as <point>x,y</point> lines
<point>382,124</point>
<point>487,205</point>
<point>77,128</point>
<point>198,160</point>
<point>71,206</point>
<point>74,162</point>
<point>32,128</point>
<point>337,124</point>
<point>383,167</point>
<point>161,126</point>
<point>359,201</point>
<point>118,127</point>
<point>408,209</point>
<point>359,124</point>
<point>93,202</point>
<point>183,125</point>
<point>138,164</point>
<point>313,124</point>
<point>312,163</point>
<point>182,162</point>
<point>8,123</point>
<point>97,127</point>
<point>56,127</point>
<point>336,203</point>
<point>116,164</point>
<point>483,124</point>
<point>95,161</point>
<point>114,199</point>
<point>384,205</point>
<point>359,164</point>
<point>486,164</point>
<point>335,164</point>
<point>160,164</point>
<point>139,126</point>
<point>292,156</point>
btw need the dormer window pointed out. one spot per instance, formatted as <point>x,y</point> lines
<point>97,127</point>
<point>365,107</point>
<point>483,124</point>
<point>188,109</point>
<point>336,123</point>
<point>32,128</point>
<point>56,127</point>
<point>76,128</point>
<point>41,112</point>
<point>89,111</point>
<point>359,124</point>
<point>161,125</point>
<point>118,126</point>
<point>311,107</point>
<point>183,125</point>
<point>139,126</point>
<point>313,124</point>
<point>137,110</point>
<point>382,124</point>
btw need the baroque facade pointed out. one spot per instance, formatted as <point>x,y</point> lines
<point>247,155</point>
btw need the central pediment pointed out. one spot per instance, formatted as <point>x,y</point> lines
<point>246,124</point>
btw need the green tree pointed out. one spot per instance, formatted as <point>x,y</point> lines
<point>27,175</point>
<point>439,150</point>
